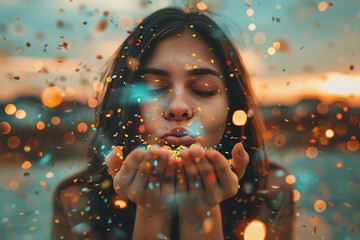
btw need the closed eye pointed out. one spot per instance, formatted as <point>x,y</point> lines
<point>204,93</point>
<point>155,91</point>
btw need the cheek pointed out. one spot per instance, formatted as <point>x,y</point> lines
<point>214,119</point>
<point>150,113</point>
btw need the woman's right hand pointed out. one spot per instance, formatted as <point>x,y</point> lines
<point>145,177</point>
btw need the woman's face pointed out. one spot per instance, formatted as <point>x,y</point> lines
<point>187,102</point>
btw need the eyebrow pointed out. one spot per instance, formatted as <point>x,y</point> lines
<point>193,72</point>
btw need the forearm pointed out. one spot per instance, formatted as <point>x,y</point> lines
<point>151,225</point>
<point>205,224</point>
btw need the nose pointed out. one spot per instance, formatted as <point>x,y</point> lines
<point>178,109</point>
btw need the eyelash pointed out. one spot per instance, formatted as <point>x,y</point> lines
<point>202,93</point>
<point>198,92</point>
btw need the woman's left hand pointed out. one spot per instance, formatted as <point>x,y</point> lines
<point>205,178</point>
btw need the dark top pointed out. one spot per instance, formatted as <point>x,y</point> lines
<point>73,215</point>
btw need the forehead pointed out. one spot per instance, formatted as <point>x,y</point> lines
<point>181,49</point>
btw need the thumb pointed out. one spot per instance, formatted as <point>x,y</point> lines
<point>240,159</point>
<point>114,160</point>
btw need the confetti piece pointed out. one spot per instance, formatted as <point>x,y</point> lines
<point>347,204</point>
<point>45,159</point>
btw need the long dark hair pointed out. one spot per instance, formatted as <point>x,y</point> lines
<point>118,117</point>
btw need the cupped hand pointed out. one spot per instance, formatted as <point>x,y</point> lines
<point>204,179</point>
<point>145,177</point>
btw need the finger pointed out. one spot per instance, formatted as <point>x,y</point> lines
<point>240,159</point>
<point>193,178</point>
<point>227,179</point>
<point>114,160</point>
<point>161,161</point>
<point>157,158</point>
<point>125,176</point>
<point>204,167</point>
<point>139,184</point>
<point>167,184</point>
<point>180,184</point>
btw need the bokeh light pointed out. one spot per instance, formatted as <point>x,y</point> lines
<point>5,128</point>
<point>290,179</point>
<point>120,203</point>
<point>271,51</point>
<point>82,127</point>
<point>322,108</point>
<point>10,109</point>
<point>52,96</point>
<point>319,205</point>
<point>250,12</point>
<point>312,152</point>
<point>256,230</point>
<point>296,195</point>
<point>38,65</point>
<point>98,86</point>
<point>13,185</point>
<point>329,133</point>
<point>322,6</point>
<point>201,6</point>
<point>260,38</point>
<point>280,141</point>
<point>252,26</point>
<point>49,175</point>
<point>92,102</point>
<point>20,114</point>
<point>277,45</point>
<point>239,118</point>
<point>40,125</point>
<point>352,145</point>
<point>125,22</point>
<point>55,120</point>
<point>13,142</point>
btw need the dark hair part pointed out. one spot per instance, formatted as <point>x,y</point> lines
<point>118,118</point>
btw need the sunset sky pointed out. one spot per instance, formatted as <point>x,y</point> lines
<point>292,49</point>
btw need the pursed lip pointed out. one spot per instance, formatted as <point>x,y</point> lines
<point>178,136</point>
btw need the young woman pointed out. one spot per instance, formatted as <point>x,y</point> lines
<point>166,129</point>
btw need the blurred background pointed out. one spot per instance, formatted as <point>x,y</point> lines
<point>303,58</point>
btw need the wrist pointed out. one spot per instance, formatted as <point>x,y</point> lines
<point>201,223</point>
<point>160,214</point>
<point>200,212</point>
<point>149,223</point>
